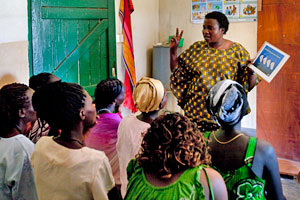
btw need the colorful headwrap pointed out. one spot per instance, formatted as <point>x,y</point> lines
<point>227,102</point>
<point>148,94</point>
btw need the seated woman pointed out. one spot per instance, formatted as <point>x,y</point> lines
<point>16,119</point>
<point>248,165</point>
<point>109,95</point>
<point>149,97</point>
<point>40,129</point>
<point>171,164</point>
<point>63,167</point>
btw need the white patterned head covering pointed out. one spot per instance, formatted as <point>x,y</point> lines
<point>227,102</point>
<point>148,94</point>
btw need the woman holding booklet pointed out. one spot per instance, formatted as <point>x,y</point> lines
<point>204,64</point>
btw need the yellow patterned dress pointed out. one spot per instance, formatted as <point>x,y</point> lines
<point>199,68</point>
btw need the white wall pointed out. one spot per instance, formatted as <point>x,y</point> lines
<point>177,13</point>
<point>13,42</point>
<point>145,33</point>
<point>14,39</point>
<point>152,22</point>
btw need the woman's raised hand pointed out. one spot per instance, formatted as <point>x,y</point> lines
<point>175,40</point>
<point>173,48</point>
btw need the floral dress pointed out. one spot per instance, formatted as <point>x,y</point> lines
<point>199,68</point>
<point>242,183</point>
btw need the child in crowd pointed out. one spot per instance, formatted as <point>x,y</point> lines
<point>248,165</point>
<point>109,95</point>
<point>149,97</point>
<point>35,82</point>
<point>63,167</point>
<point>172,164</point>
<point>16,118</point>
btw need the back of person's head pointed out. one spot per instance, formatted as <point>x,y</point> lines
<point>13,98</point>
<point>41,79</point>
<point>107,91</point>
<point>59,104</point>
<point>220,17</point>
<point>148,95</point>
<point>227,102</point>
<point>171,144</point>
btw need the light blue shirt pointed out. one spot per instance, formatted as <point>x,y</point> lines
<point>16,174</point>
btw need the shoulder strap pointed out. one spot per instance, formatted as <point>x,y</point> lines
<point>250,151</point>
<point>206,134</point>
<point>209,185</point>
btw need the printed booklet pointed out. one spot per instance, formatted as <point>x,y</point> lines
<point>268,61</point>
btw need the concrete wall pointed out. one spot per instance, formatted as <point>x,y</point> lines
<point>145,33</point>
<point>177,13</point>
<point>13,42</point>
<point>14,39</point>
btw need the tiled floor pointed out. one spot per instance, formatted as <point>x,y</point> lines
<point>291,189</point>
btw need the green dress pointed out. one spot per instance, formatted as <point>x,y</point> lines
<point>242,183</point>
<point>186,187</point>
<point>199,68</point>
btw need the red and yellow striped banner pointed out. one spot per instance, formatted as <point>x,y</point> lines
<point>126,8</point>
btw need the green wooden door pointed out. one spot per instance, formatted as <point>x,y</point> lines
<point>75,40</point>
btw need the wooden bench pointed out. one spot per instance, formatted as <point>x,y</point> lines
<point>289,168</point>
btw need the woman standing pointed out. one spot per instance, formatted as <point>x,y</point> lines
<point>205,63</point>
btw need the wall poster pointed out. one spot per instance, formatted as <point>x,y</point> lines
<point>235,10</point>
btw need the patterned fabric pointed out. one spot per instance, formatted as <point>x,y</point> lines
<point>242,183</point>
<point>227,102</point>
<point>199,68</point>
<point>126,8</point>
<point>38,130</point>
<point>148,94</point>
<point>186,187</point>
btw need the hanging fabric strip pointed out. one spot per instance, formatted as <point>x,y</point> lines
<point>126,8</point>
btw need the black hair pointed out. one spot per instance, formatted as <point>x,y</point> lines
<point>12,98</point>
<point>221,18</point>
<point>107,91</point>
<point>59,105</point>
<point>39,80</point>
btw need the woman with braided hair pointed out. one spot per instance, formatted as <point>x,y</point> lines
<point>172,164</point>
<point>63,167</point>
<point>16,119</point>
<point>109,95</point>
<point>40,129</point>
<point>248,165</point>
